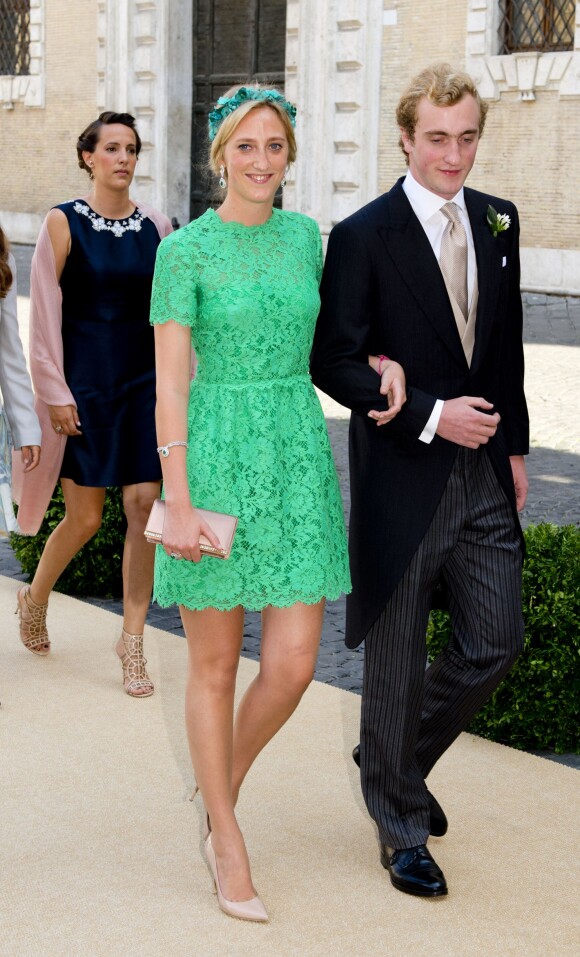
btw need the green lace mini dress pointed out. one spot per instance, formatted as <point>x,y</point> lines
<point>257,441</point>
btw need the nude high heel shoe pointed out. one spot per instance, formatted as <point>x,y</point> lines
<point>244,910</point>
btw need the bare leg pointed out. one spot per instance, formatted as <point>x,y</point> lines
<point>138,555</point>
<point>214,640</point>
<point>290,641</point>
<point>82,520</point>
<point>138,560</point>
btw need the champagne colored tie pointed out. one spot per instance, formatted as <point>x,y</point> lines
<point>453,259</point>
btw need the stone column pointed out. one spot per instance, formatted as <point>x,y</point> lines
<point>333,62</point>
<point>145,68</point>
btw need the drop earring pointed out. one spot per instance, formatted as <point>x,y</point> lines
<point>222,179</point>
<point>284,180</point>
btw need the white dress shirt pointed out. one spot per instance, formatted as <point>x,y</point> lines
<point>427,208</point>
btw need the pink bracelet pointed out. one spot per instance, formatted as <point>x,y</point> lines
<point>382,359</point>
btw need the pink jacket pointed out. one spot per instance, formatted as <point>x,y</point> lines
<point>33,490</point>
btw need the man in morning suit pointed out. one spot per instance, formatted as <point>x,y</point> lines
<point>422,275</point>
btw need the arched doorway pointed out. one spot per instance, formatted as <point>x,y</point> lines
<point>233,41</point>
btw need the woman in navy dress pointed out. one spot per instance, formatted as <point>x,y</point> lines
<point>100,391</point>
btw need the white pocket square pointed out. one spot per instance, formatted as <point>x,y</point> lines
<point>504,261</point>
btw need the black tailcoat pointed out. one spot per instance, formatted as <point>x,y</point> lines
<point>383,293</point>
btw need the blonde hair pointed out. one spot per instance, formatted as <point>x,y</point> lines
<point>229,125</point>
<point>443,86</point>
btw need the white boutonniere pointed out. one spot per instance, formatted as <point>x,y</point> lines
<point>497,222</point>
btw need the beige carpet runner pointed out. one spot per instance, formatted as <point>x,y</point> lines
<point>100,848</point>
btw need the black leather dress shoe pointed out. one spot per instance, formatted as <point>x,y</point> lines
<point>413,871</point>
<point>437,819</point>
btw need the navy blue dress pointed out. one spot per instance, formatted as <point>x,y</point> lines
<point>109,357</point>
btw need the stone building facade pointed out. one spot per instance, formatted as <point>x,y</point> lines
<point>42,113</point>
<point>344,62</point>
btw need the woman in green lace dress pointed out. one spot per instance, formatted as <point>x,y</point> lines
<point>241,285</point>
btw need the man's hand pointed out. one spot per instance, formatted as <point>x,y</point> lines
<point>518,464</point>
<point>462,422</point>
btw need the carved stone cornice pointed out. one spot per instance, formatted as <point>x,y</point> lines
<point>525,73</point>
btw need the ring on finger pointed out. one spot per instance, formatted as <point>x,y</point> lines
<point>58,428</point>
<point>175,555</point>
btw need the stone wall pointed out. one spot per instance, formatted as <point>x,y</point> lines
<point>38,133</point>
<point>333,75</point>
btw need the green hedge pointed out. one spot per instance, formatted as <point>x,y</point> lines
<point>537,706</point>
<point>96,570</point>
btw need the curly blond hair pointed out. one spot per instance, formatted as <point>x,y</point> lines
<point>443,86</point>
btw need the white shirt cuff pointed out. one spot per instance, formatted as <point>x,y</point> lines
<point>430,429</point>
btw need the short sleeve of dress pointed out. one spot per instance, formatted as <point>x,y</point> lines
<point>174,292</point>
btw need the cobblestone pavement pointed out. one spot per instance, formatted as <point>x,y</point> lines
<point>551,343</point>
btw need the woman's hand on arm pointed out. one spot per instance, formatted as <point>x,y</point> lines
<point>183,526</point>
<point>393,385</point>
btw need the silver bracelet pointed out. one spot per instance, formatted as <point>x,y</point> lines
<point>164,449</point>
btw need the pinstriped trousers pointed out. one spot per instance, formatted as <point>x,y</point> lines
<point>410,715</point>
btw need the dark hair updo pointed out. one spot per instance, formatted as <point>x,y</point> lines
<point>5,270</point>
<point>89,138</point>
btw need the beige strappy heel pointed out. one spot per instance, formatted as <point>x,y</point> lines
<point>32,622</point>
<point>137,682</point>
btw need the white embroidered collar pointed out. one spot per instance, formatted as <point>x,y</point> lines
<point>116,226</point>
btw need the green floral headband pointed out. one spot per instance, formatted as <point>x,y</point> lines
<point>228,104</point>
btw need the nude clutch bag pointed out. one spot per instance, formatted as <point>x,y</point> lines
<point>223,525</point>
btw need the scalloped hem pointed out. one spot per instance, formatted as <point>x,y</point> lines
<point>251,605</point>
